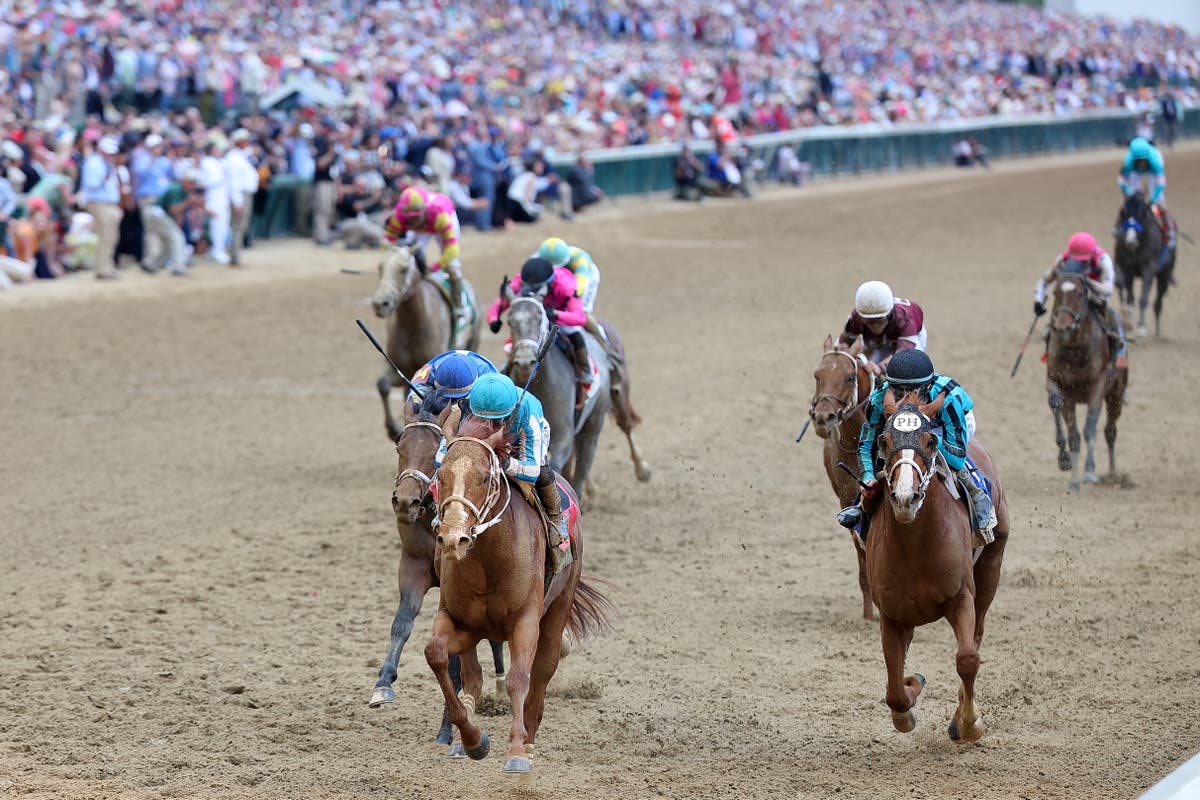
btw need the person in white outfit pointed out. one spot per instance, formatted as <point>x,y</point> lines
<point>243,183</point>
<point>217,200</point>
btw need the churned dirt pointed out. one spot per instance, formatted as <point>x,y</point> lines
<point>198,556</point>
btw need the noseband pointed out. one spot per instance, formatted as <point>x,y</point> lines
<point>535,344</point>
<point>901,423</point>
<point>848,407</point>
<point>1077,317</point>
<point>496,486</point>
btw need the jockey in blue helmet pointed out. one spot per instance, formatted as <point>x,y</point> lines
<point>1144,164</point>
<point>495,397</point>
<point>448,376</point>
<point>912,371</point>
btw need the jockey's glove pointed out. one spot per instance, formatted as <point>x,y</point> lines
<point>552,315</point>
<point>1038,308</point>
<point>494,325</point>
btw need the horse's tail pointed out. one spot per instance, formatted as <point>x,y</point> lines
<point>591,610</point>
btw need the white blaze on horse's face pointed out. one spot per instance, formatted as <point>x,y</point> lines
<point>904,489</point>
<point>1068,286</point>
<point>454,529</point>
<point>529,324</point>
<point>1131,236</point>
<point>395,281</point>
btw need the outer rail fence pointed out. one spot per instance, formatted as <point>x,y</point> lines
<point>829,151</point>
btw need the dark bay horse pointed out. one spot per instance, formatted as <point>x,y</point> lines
<point>838,412</point>
<point>1138,254</point>
<point>919,563</point>
<point>412,502</point>
<point>573,435</point>
<point>1078,370</point>
<point>492,549</point>
<point>419,323</point>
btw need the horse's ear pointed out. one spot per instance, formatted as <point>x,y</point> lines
<point>828,343</point>
<point>508,293</point>
<point>497,436</point>
<point>889,402</point>
<point>857,347</point>
<point>450,426</point>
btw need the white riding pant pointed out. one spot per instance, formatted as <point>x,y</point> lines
<point>593,286</point>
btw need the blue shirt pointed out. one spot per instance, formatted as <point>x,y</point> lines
<point>952,419</point>
<point>99,182</point>
<point>151,175</point>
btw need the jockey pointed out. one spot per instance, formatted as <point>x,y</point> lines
<point>1084,255</point>
<point>587,284</point>
<point>447,378</point>
<point>494,397</point>
<point>886,323</point>
<point>1144,164</point>
<point>556,288</point>
<point>420,215</point>
<point>911,371</point>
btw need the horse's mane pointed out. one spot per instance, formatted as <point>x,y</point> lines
<point>480,428</point>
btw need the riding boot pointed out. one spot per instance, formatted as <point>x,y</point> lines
<point>1116,336</point>
<point>583,367</point>
<point>985,514</point>
<point>558,549</point>
<point>457,308</point>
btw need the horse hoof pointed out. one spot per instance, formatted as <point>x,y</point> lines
<point>480,752</point>
<point>971,733</point>
<point>1090,477</point>
<point>919,679</point>
<point>1142,332</point>
<point>518,765</point>
<point>644,474</point>
<point>501,686</point>
<point>456,751</point>
<point>1064,462</point>
<point>1074,488</point>
<point>382,696</point>
<point>904,722</point>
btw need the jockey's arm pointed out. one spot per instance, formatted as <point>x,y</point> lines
<point>1039,293</point>
<point>1160,185</point>
<point>850,332</point>
<point>443,226</point>
<point>581,265</point>
<point>1104,285</point>
<point>954,434</point>
<point>572,313</point>
<point>870,429</point>
<point>524,465</point>
<point>393,229</point>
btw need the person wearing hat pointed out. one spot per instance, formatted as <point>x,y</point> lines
<point>243,184</point>
<point>949,408</point>
<point>447,378</point>
<point>494,397</point>
<point>100,191</point>
<point>151,177</point>
<point>217,199</point>
<point>183,200</point>
<point>886,323</point>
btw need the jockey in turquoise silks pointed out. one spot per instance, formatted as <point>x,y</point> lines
<point>912,371</point>
<point>1144,165</point>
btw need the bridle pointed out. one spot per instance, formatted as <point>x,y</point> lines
<point>423,481</point>
<point>1077,316</point>
<point>497,485</point>
<point>924,474</point>
<point>535,344</point>
<point>848,408</point>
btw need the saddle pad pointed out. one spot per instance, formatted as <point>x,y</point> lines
<point>564,344</point>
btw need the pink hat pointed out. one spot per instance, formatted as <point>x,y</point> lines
<point>1081,246</point>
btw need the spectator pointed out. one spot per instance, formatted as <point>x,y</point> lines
<point>440,162</point>
<point>724,173</point>
<point>100,191</point>
<point>218,201</point>
<point>582,179</point>
<point>1170,117</point>
<point>359,209</point>
<point>459,192</point>
<point>688,175</point>
<point>551,188</point>
<point>183,202</point>
<point>522,197</point>
<point>324,191</point>
<point>789,168</point>
<point>963,155</point>
<point>152,176</point>
<point>243,184</point>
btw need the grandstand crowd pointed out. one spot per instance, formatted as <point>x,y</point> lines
<point>171,119</point>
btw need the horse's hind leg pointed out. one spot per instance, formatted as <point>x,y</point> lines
<point>1073,442</point>
<point>1113,401</point>
<point>545,663</point>
<point>384,385</point>
<point>1089,436</point>
<point>498,661</point>
<point>585,452</point>
<point>902,691</point>
<point>626,421</point>
<point>522,644</point>
<point>1055,398</point>
<point>1143,301</point>
<point>863,583</point>
<point>1162,282</point>
<point>966,726</point>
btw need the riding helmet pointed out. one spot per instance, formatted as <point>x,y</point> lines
<point>556,251</point>
<point>536,273</point>
<point>494,396</point>
<point>1081,246</point>
<point>1140,148</point>
<point>412,202</point>
<point>910,368</point>
<point>874,300</point>
<point>454,375</point>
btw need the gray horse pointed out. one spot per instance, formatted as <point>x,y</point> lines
<point>573,435</point>
<point>419,323</point>
<point>1140,252</point>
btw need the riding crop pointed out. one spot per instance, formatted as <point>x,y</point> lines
<point>1024,344</point>
<point>550,337</point>
<point>383,353</point>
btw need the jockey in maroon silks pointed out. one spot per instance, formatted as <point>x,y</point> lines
<point>886,324</point>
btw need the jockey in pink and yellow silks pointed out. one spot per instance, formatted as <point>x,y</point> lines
<point>420,215</point>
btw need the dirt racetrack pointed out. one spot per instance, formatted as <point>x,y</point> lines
<point>198,553</point>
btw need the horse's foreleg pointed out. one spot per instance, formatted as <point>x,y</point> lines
<point>1162,282</point>
<point>1143,301</point>
<point>384,385</point>
<point>863,583</point>
<point>415,580</point>
<point>966,726</point>
<point>1089,435</point>
<point>545,663</point>
<point>522,646</point>
<point>1055,398</point>
<point>448,640</point>
<point>498,662</point>
<point>1113,401</point>
<point>1073,442</point>
<point>902,691</point>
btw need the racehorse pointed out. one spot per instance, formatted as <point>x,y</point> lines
<point>838,412</point>
<point>1137,254</point>
<point>419,320</point>
<point>1078,371</point>
<point>412,502</point>
<point>919,563</point>
<point>492,553</point>
<point>574,434</point>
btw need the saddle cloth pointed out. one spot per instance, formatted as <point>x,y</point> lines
<point>462,325</point>
<point>565,501</point>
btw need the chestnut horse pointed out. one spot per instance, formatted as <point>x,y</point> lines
<point>411,500</point>
<point>419,321</point>
<point>919,563</point>
<point>1078,371</point>
<point>493,555</point>
<point>838,412</point>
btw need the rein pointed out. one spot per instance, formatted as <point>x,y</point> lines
<point>848,407</point>
<point>423,481</point>
<point>496,484</point>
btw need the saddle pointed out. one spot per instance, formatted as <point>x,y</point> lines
<point>568,505</point>
<point>960,493</point>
